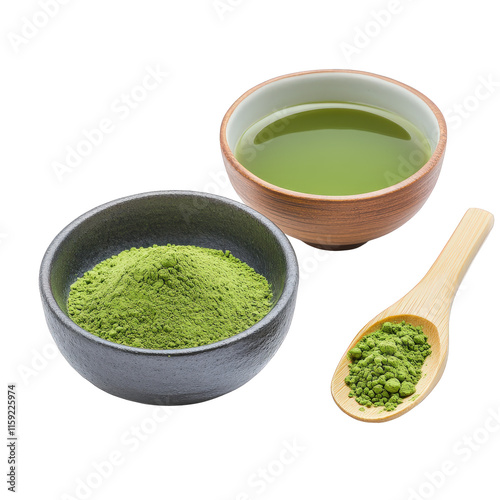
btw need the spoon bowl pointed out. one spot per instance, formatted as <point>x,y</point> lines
<point>428,305</point>
<point>432,370</point>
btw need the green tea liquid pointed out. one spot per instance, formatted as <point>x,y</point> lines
<point>333,148</point>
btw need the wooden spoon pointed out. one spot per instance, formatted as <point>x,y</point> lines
<point>428,305</point>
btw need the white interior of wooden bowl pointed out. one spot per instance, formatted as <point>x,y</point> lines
<point>332,86</point>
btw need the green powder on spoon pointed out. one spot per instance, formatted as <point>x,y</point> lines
<point>387,364</point>
<point>169,297</point>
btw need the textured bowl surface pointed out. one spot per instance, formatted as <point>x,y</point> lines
<point>176,376</point>
<point>335,222</point>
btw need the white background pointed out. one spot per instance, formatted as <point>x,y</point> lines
<point>66,78</point>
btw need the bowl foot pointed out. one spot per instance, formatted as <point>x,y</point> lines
<point>335,247</point>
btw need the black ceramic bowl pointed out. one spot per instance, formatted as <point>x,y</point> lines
<point>174,376</point>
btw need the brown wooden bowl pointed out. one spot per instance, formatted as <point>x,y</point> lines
<point>334,222</point>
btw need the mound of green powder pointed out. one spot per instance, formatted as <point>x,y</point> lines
<point>386,365</point>
<point>169,297</point>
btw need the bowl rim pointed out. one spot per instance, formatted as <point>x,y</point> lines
<point>421,172</point>
<point>289,289</point>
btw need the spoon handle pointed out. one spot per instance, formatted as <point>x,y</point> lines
<point>435,293</point>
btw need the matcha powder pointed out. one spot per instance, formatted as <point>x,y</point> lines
<point>386,365</point>
<point>169,297</point>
